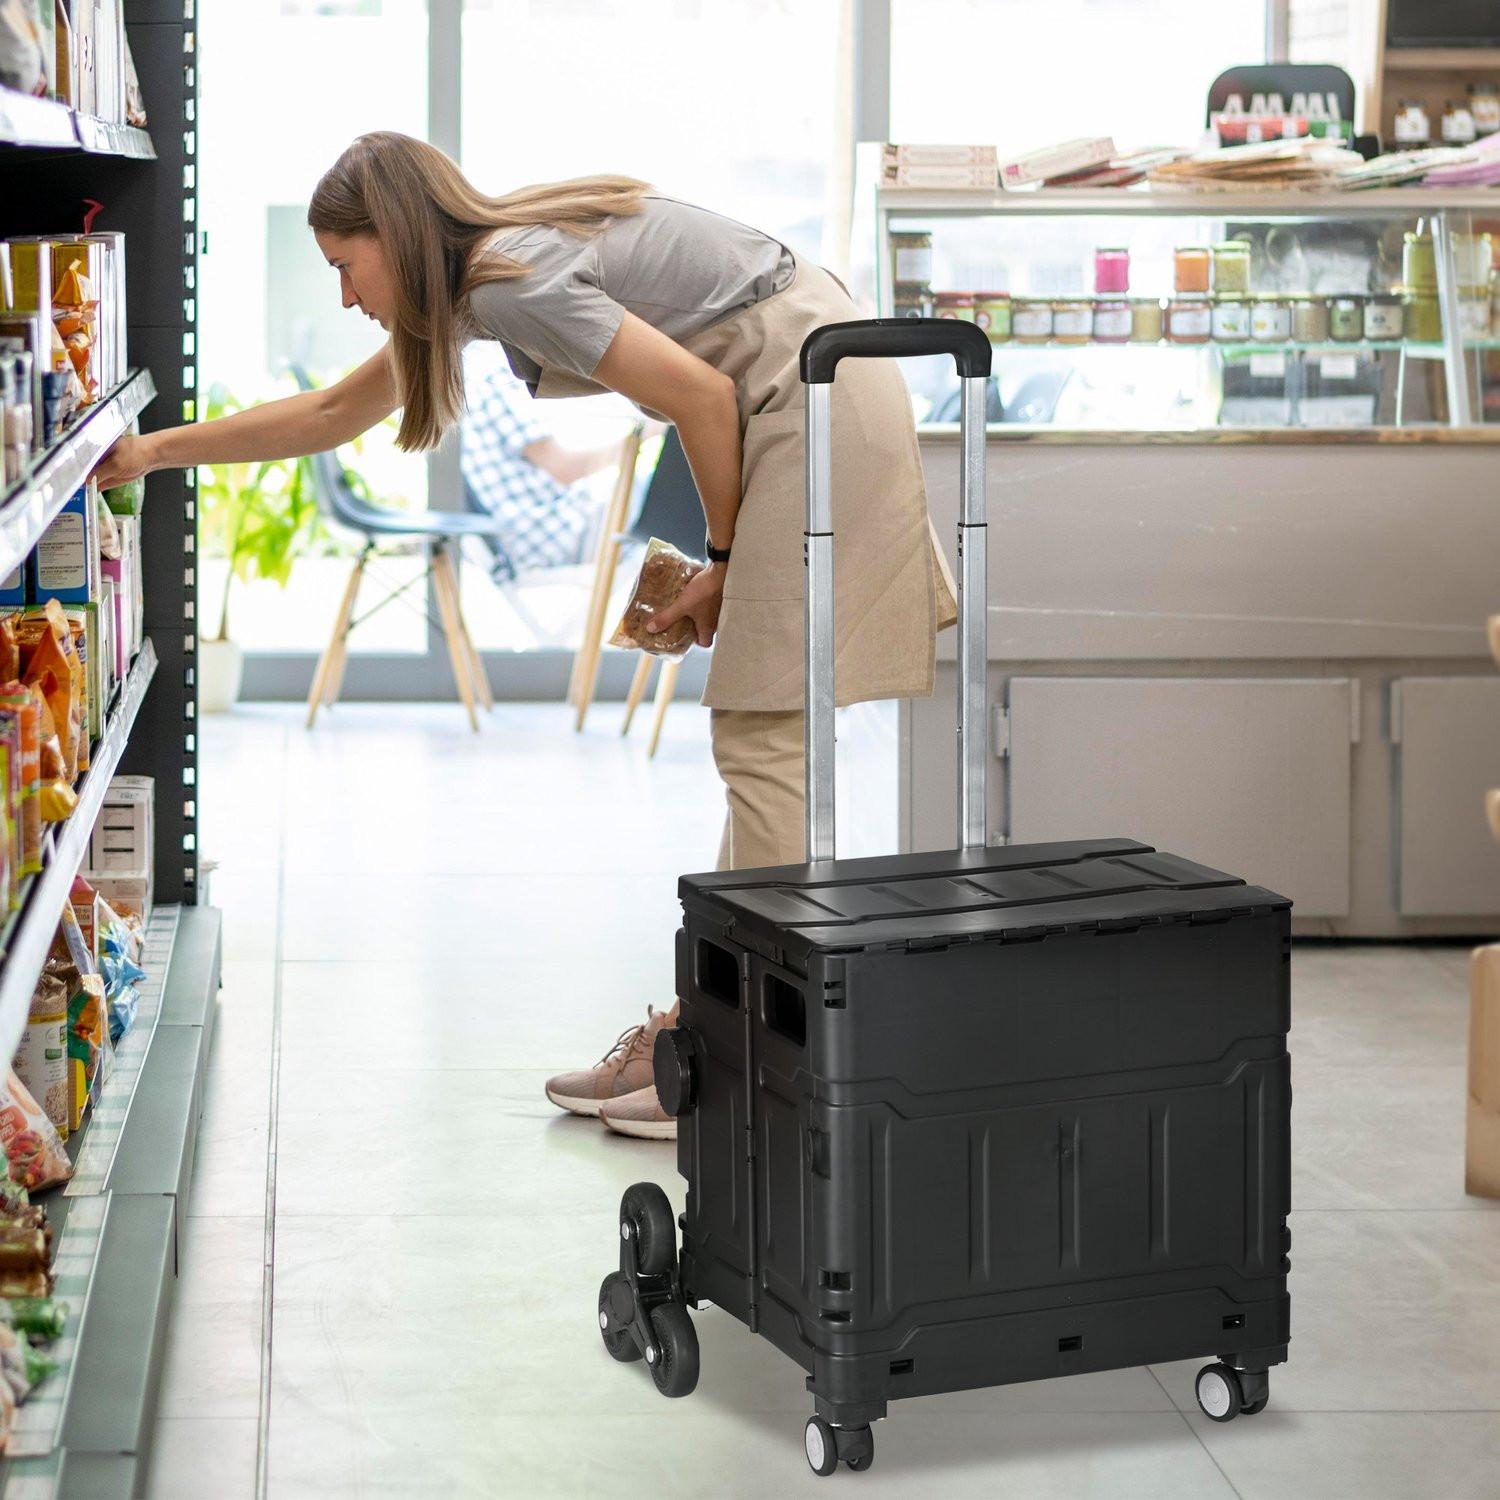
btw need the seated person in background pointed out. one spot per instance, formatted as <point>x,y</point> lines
<point>513,468</point>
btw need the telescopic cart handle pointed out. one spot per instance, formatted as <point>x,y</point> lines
<point>890,338</point>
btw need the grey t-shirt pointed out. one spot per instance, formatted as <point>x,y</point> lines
<point>675,266</point>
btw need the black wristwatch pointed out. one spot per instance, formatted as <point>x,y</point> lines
<point>715,554</point>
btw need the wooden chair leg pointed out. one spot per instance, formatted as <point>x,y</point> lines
<point>448,609</point>
<point>330,672</point>
<point>477,674</point>
<point>637,688</point>
<point>664,693</point>
<point>585,675</point>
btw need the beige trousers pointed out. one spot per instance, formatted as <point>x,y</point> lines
<point>760,761</point>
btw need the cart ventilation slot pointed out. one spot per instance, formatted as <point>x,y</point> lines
<point>1070,1345</point>
<point>1235,1320</point>
<point>718,973</point>
<point>901,1367</point>
<point>834,1281</point>
<point>784,1009</point>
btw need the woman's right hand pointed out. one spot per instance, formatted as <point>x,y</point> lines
<point>128,459</point>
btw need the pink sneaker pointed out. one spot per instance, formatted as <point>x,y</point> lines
<point>624,1069</point>
<point>639,1114</point>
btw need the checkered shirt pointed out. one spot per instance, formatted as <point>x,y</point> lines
<point>546,524</point>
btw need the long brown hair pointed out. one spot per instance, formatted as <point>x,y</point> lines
<point>431,220</point>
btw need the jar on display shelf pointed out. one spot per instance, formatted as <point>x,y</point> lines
<point>909,304</point>
<point>1474,312</point>
<point>1072,320</point>
<point>1412,129</point>
<point>1111,270</point>
<point>1385,319</point>
<point>911,258</point>
<point>1230,321</point>
<point>1422,319</point>
<point>1270,320</point>
<point>1030,320</point>
<point>1146,322</point>
<point>992,313</point>
<point>1458,124</point>
<point>1484,105</point>
<point>1190,269</point>
<point>1231,266</point>
<point>1418,262</point>
<point>1113,320</point>
<point>959,305</point>
<point>1346,319</point>
<point>1189,320</point>
<point>1310,320</point>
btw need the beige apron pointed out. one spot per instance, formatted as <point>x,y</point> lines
<point>892,587</point>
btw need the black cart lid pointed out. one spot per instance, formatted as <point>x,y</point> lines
<point>1015,891</point>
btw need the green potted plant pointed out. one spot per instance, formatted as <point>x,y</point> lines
<point>260,517</point>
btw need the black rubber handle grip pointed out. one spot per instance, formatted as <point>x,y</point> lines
<point>894,338</point>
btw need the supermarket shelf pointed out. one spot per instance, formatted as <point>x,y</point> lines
<point>48,123</point>
<point>906,202</point>
<point>1361,346</point>
<point>1428,59</point>
<point>87,1430</point>
<point>27,508</point>
<point>29,932</point>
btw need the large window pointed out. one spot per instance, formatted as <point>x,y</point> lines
<point>287,84</point>
<point>725,103</point>
<point>1021,75</point>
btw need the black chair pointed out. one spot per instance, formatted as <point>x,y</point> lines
<point>1285,79</point>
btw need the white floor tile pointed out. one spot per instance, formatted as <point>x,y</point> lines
<point>193,1458</point>
<point>213,1359</point>
<point>442,1230</point>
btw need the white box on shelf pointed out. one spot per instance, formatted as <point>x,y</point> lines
<point>120,848</point>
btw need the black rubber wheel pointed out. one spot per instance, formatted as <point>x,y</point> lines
<point>821,1447</point>
<point>675,1368</point>
<point>1218,1391</point>
<point>620,1344</point>
<point>1255,1408</point>
<point>645,1208</point>
<point>859,1465</point>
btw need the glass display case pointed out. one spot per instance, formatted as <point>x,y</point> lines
<point>1227,313</point>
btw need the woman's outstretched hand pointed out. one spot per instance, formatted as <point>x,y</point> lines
<point>699,601</point>
<point>128,459</point>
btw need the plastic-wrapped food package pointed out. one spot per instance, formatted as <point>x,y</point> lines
<point>665,572</point>
<point>30,1141</point>
<point>121,974</point>
<point>21,64</point>
<point>13,1369</point>
<point>42,1318</point>
<point>15,699</point>
<point>42,1058</point>
<point>23,1261</point>
<point>56,798</point>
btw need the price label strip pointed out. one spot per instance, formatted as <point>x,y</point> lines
<point>39,1420</point>
<point>97,1154</point>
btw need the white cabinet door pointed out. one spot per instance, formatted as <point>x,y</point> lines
<point>1248,775</point>
<point>1447,743</point>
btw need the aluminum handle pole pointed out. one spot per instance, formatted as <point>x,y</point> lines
<point>973,611</point>
<point>1454,370</point>
<point>818,555</point>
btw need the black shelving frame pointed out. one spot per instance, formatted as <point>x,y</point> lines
<point>155,203</point>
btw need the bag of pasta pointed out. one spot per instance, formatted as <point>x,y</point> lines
<point>665,572</point>
<point>56,798</point>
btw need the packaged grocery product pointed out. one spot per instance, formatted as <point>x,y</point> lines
<point>665,572</point>
<point>13,1369</point>
<point>75,309</point>
<point>121,974</point>
<point>30,1141</point>
<point>47,648</point>
<point>42,1318</point>
<point>7,1414</point>
<point>56,798</point>
<point>14,786</point>
<point>14,699</point>
<point>23,1260</point>
<point>38,1365</point>
<point>42,1058</point>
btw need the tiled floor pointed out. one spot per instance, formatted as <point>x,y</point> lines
<point>442,919</point>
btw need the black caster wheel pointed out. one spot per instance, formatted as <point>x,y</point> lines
<point>615,1306</point>
<point>1255,1408</point>
<point>856,1446</point>
<point>1218,1392</point>
<point>674,1357</point>
<point>646,1216</point>
<point>821,1446</point>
